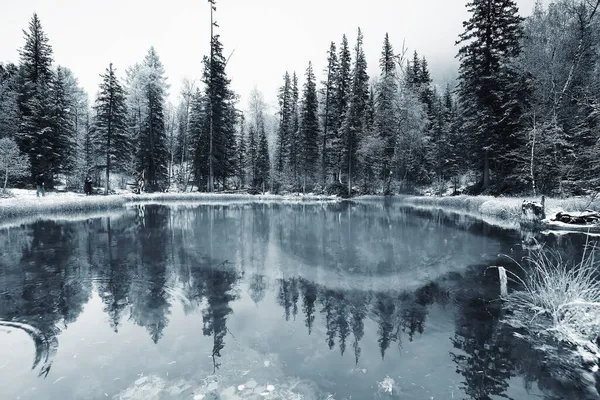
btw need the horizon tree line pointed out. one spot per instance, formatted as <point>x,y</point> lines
<point>522,118</point>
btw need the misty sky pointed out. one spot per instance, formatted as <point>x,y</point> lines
<point>268,37</point>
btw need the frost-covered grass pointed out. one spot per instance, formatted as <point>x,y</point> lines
<point>557,298</point>
<point>24,203</point>
<point>505,208</point>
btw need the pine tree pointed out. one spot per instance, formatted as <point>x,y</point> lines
<point>330,111</point>
<point>309,128</point>
<point>152,157</point>
<point>491,39</point>
<point>35,108</point>
<point>111,124</point>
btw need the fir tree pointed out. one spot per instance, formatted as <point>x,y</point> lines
<point>111,124</point>
<point>309,128</point>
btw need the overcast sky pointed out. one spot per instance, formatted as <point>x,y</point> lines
<point>267,37</point>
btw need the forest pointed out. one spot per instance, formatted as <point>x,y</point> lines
<point>522,117</point>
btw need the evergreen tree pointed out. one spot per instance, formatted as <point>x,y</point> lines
<point>285,124</point>
<point>257,111</point>
<point>152,157</point>
<point>242,156</point>
<point>63,128</point>
<point>294,149</point>
<point>357,107</point>
<point>263,164</point>
<point>111,124</point>
<point>35,105</point>
<point>342,96</point>
<point>9,111</point>
<point>309,128</point>
<point>222,119</point>
<point>490,41</point>
<point>199,139</point>
<point>385,113</point>
<point>330,111</point>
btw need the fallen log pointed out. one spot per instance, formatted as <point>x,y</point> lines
<point>586,218</point>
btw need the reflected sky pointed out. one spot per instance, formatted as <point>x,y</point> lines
<point>317,300</point>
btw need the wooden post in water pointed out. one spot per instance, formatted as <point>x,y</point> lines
<point>503,282</point>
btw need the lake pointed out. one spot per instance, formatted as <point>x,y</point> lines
<point>267,300</point>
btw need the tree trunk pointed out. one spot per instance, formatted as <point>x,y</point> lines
<point>6,178</point>
<point>109,133</point>
<point>531,165</point>
<point>486,170</point>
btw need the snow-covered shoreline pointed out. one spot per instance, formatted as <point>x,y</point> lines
<point>500,211</point>
<point>24,203</point>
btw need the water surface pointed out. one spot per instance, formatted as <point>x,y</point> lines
<point>314,301</point>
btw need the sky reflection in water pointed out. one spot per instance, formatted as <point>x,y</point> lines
<point>314,299</point>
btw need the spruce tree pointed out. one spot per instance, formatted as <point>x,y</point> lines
<point>152,157</point>
<point>242,156</point>
<point>199,137</point>
<point>111,124</point>
<point>342,96</point>
<point>263,164</point>
<point>9,111</point>
<point>61,155</point>
<point>35,105</point>
<point>330,114</point>
<point>309,128</point>
<point>285,124</point>
<point>490,40</point>
<point>385,112</point>
<point>357,107</point>
<point>222,114</point>
<point>294,147</point>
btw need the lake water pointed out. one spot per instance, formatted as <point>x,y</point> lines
<point>281,301</point>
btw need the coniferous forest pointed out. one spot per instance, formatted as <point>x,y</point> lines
<point>522,118</point>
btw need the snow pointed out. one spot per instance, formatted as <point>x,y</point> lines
<point>25,203</point>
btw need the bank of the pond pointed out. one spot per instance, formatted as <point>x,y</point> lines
<point>26,204</point>
<point>500,209</point>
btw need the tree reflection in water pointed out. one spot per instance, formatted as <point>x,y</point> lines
<point>145,261</point>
